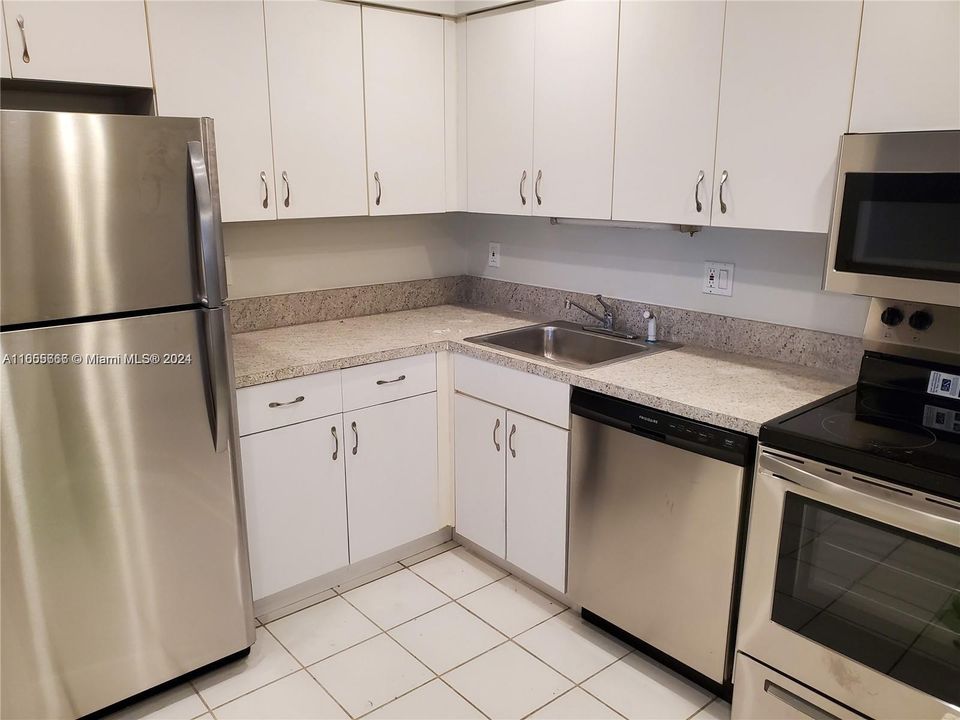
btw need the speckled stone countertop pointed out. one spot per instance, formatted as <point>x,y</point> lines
<point>721,388</point>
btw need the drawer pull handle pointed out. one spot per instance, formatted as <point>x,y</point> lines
<point>336,441</point>
<point>496,426</point>
<point>513,431</point>
<point>356,437</point>
<point>387,382</point>
<point>296,400</point>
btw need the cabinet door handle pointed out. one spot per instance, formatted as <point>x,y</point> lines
<point>286,187</point>
<point>266,190</point>
<point>536,187</point>
<point>496,426</point>
<point>296,400</point>
<point>356,437</point>
<point>396,379</point>
<point>696,192</point>
<point>523,181</point>
<point>723,181</point>
<point>376,179</point>
<point>23,38</point>
<point>336,441</point>
<point>513,431</point>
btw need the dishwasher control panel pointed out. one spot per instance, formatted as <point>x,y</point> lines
<point>666,427</point>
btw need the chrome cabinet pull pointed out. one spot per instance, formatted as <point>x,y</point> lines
<point>356,437</point>
<point>376,179</point>
<point>336,441</point>
<point>523,180</point>
<point>266,190</point>
<point>513,431</point>
<point>496,426</point>
<point>286,187</point>
<point>536,187</point>
<point>23,37</point>
<point>696,192</point>
<point>723,180</point>
<point>396,379</point>
<point>289,402</point>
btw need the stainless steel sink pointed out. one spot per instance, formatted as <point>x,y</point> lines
<point>569,345</point>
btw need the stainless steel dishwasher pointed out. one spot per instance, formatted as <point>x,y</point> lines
<point>655,529</point>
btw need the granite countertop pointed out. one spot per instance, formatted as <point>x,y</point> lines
<point>725,389</point>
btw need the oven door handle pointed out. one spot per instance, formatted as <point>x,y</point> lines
<point>916,513</point>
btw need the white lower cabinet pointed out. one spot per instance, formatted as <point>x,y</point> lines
<point>296,505</point>
<point>480,466</point>
<point>391,452</point>
<point>511,470</point>
<point>537,498</point>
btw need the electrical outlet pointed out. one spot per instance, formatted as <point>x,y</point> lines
<point>493,259</point>
<point>718,278</point>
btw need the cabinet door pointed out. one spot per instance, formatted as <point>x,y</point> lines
<point>537,490</point>
<point>668,84</point>
<point>391,474</point>
<point>403,87</point>
<point>315,58</point>
<point>93,41</point>
<point>908,69</point>
<point>500,111</point>
<point>209,60</point>
<point>575,100</point>
<point>480,432</point>
<point>295,496</point>
<point>785,94</point>
<point>4,47</point>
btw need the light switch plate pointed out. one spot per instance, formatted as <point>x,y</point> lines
<point>718,278</point>
<point>493,258</point>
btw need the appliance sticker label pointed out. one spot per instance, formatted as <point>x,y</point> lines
<point>937,418</point>
<point>944,384</point>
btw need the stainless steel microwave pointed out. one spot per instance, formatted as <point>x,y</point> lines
<point>895,231</point>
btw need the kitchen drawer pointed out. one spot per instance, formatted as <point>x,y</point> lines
<point>528,394</point>
<point>382,382</point>
<point>293,401</point>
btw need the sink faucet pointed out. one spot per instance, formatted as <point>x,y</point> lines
<point>606,320</point>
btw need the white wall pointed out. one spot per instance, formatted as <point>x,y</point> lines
<point>777,276</point>
<point>270,258</point>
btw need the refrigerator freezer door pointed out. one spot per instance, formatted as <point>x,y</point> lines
<point>124,560</point>
<point>100,214</point>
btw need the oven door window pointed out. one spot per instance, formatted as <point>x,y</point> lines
<point>900,224</point>
<point>877,594</point>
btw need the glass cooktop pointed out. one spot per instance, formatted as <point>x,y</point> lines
<point>901,423</point>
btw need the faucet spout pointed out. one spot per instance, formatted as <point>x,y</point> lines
<point>606,320</point>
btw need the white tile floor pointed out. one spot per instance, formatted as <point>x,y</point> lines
<point>448,637</point>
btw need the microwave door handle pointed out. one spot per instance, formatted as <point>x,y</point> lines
<point>934,520</point>
<point>209,240</point>
<point>216,374</point>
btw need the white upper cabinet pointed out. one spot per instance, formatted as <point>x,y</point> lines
<point>500,111</point>
<point>4,56</point>
<point>315,56</point>
<point>785,90</point>
<point>209,60</point>
<point>668,85</point>
<point>575,89</point>
<point>403,64</point>
<point>908,70</point>
<point>84,41</point>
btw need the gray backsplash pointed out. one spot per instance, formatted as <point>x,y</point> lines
<point>811,348</point>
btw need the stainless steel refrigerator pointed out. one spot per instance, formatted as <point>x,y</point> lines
<point>124,559</point>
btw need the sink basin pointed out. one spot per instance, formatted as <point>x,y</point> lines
<point>569,345</point>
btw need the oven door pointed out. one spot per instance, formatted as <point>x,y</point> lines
<point>895,231</point>
<point>852,587</point>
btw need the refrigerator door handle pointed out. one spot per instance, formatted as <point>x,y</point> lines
<point>217,376</point>
<point>209,240</point>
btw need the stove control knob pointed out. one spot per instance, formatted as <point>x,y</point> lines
<point>891,316</point>
<point>921,320</point>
